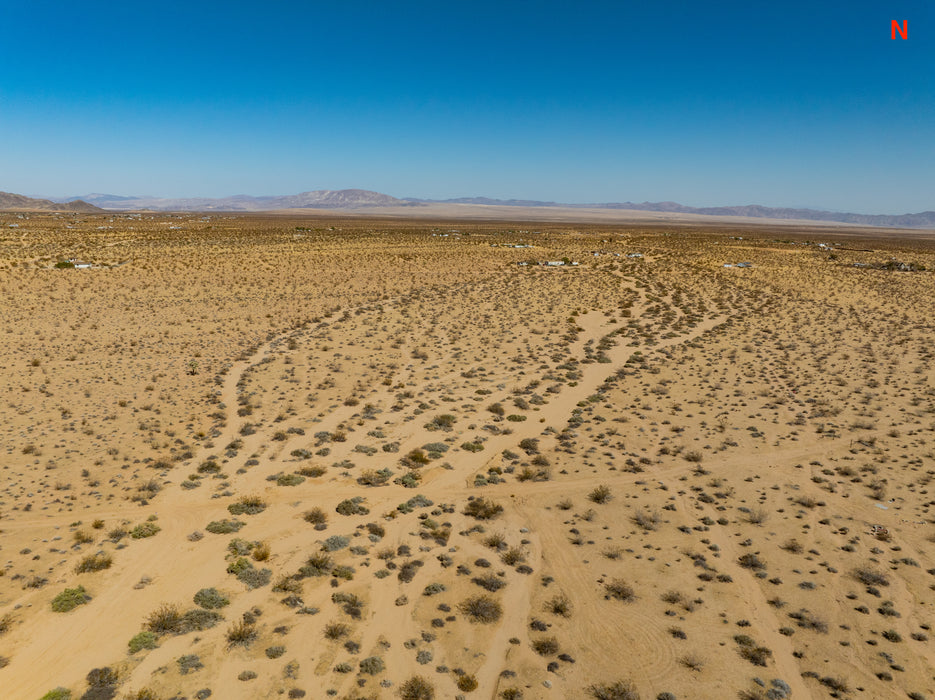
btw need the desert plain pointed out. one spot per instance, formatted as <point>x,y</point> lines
<point>264,456</point>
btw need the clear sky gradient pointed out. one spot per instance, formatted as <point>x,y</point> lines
<point>782,104</point>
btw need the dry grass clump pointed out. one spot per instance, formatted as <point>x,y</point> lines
<point>94,562</point>
<point>600,494</point>
<point>618,690</point>
<point>417,688</point>
<point>315,516</point>
<point>647,520</point>
<point>241,633</point>
<point>618,589</point>
<point>482,609</point>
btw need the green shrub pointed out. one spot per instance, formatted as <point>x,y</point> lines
<point>69,599</point>
<point>210,599</point>
<point>472,446</point>
<point>143,640</point>
<point>289,479</point>
<point>57,694</point>
<point>147,529</point>
<point>224,527</point>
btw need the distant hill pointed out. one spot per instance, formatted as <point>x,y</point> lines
<point>18,202</point>
<point>318,199</point>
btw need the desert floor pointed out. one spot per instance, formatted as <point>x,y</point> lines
<point>276,456</point>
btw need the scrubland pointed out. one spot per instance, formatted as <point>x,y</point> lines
<point>250,457</point>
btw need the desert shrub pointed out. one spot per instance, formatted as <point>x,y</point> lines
<point>749,650</point>
<point>442,422</point>
<point>546,646</point>
<point>619,690</point>
<point>417,688</point>
<point>94,562</point>
<point>809,621</point>
<point>252,577</point>
<point>335,542</point>
<point>289,479</point>
<point>247,505</point>
<point>751,561</point>
<point>466,682</point>
<point>343,572</point>
<point>224,527</point>
<point>57,694</point>
<point>513,556</point>
<point>99,678</point>
<point>336,630</point>
<point>166,619</point>
<point>481,608</point>
<point>189,662</point>
<point>600,494</point>
<point>312,472</point>
<point>143,530</point>
<point>275,652</point>
<point>472,446</point>
<point>261,552</point>
<point>647,520</point>
<point>489,582</point>
<point>319,564</point>
<point>619,590</point>
<point>559,605</point>
<point>482,509</point>
<point>352,506</point>
<point>434,589</point>
<point>871,577</point>
<point>757,516</point>
<point>197,619</point>
<point>69,599</point>
<point>241,633</point>
<point>316,516</point>
<point>351,604</point>
<point>372,665</point>
<point>143,640</point>
<point>209,467</point>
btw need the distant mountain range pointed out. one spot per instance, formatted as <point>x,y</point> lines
<point>925,219</point>
<point>18,202</point>
<point>319,199</point>
<point>365,199</point>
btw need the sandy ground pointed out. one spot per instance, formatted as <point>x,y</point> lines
<point>320,457</point>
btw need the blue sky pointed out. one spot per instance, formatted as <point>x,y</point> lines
<point>783,104</point>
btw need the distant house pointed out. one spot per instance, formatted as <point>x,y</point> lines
<point>744,264</point>
<point>555,263</point>
<point>634,255</point>
<point>728,264</point>
<point>82,266</point>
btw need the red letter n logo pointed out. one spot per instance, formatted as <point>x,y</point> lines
<point>902,30</point>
